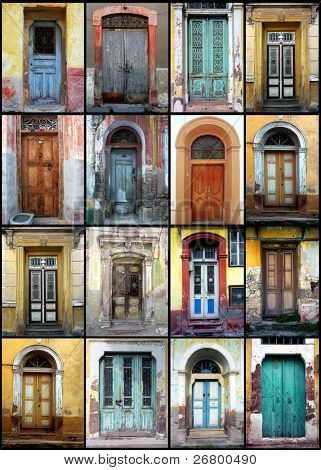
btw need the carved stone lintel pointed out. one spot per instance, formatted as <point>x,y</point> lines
<point>125,21</point>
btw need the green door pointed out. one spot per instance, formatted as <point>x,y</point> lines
<point>283,397</point>
<point>208,59</point>
<point>127,394</point>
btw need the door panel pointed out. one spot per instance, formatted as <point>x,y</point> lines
<point>127,291</point>
<point>37,400</point>
<point>40,175</point>
<point>208,67</point>
<point>280,291</point>
<point>44,63</point>
<point>280,178</point>
<point>127,394</point>
<point>283,397</point>
<point>123,181</point>
<point>125,65</point>
<point>207,192</point>
<point>206,404</point>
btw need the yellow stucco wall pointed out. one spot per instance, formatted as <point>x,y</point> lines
<point>71,353</point>
<point>234,275</point>
<point>75,35</point>
<point>12,49</point>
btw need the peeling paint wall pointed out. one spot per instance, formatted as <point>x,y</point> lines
<point>71,353</point>
<point>228,354</point>
<point>255,355</point>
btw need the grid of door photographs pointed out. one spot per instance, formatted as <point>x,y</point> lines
<point>160,220</point>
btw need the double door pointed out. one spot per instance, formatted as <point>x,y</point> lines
<point>40,175</point>
<point>37,400</point>
<point>206,404</point>
<point>280,178</point>
<point>280,281</point>
<point>204,288</point>
<point>43,301</point>
<point>127,394</point>
<point>207,192</point>
<point>208,59</point>
<point>44,63</point>
<point>281,70</point>
<point>127,290</point>
<point>123,181</point>
<point>125,59</point>
<point>283,397</point>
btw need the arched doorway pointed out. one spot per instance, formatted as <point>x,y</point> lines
<point>280,168</point>
<point>207,172</point>
<point>124,171</point>
<point>37,386</point>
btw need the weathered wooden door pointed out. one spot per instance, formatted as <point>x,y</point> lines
<point>208,64</point>
<point>44,63</point>
<point>206,404</point>
<point>123,181</point>
<point>283,397</point>
<point>125,59</point>
<point>127,394</point>
<point>280,178</point>
<point>40,175</point>
<point>280,58</point>
<point>207,192</point>
<point>43,289</point>
<point>127,290</point>
<point>280,281</point>
<point>37,400</point>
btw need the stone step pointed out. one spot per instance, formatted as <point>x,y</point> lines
<point>207,433</point>
<point>44,330</point>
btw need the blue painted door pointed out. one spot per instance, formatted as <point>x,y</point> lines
<point>204,288</point>
<point>283,397</point>
<point>123,181</point>
<point>208,59</point>
<point>206,404</point>
<point>127,394</point>
<point>44,63</point>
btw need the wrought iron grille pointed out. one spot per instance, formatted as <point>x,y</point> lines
<point>206,366</point>
<point>37,362</point>
<point>39,123</point>
<point>44,40</point>
<point>210,280</point>
<point>38,262</point>
<point>147,380</point>
<point>108,381</point>
<point>128,374</point>
<point>283,340</point>
<point>208,147</point>
<point>198,280</point>
<point>50,286</point>
<point>134,285</point>
<point>197,50</point>
<point>127,21</point>
<point>207,6</point>
<point>123,136</point>
<point>279,139</point>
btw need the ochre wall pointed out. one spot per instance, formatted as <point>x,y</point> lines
<point>71,353</point>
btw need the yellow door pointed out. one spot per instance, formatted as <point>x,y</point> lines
<point>37,400</point>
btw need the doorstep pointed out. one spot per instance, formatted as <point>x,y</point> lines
<point>45,108</point>
<point>128,442</point>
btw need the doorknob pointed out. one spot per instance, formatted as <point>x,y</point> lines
<point>118,402</point>
<point>50,165</point>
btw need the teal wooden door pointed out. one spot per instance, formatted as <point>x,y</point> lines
<point>206,404</point>
<point>127,394</point>
<point>123,180</point>
<point>283,397</point>
<point>208,59</point>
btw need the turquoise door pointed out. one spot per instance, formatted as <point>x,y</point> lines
<point>123,180</point>
<point>206,404</point>
<point>44,63</point>
<point>283,397</point>
<point>208,59</point>
<point>127,394</point>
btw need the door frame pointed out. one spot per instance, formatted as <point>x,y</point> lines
<point>151,15</point>
<point>279,246</point>
<point>58,131</point>
<point>108,151</point>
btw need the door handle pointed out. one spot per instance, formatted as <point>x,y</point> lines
<point>118,402</point>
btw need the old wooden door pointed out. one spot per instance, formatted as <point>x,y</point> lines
<point>127,394</point>
<point>207,192</point>
<point>206,404</point>
<point>127,290</point>
<point>125,59</point>
<point>283,397</point>
<point>44,63</point>
<point>280,281</point>
<point>123,180</point>
<point>208,63</point>
<point>280,178</point>
<point>280,64</point>
<point>40,175</point>
<point>43,289</point>
<point>37,400</point>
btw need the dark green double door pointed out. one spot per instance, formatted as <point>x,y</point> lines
<point>208,59</point>
<point>283,396</point>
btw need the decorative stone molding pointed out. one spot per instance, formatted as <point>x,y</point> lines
<point>9,237</point>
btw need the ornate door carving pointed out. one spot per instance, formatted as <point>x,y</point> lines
<point>127,290</point>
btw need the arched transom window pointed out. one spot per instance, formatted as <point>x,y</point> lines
<point>280,139</point>
<point>206,366</point>
<point>208,147</point>
<point>37,361</point>
<point>123,136</point>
